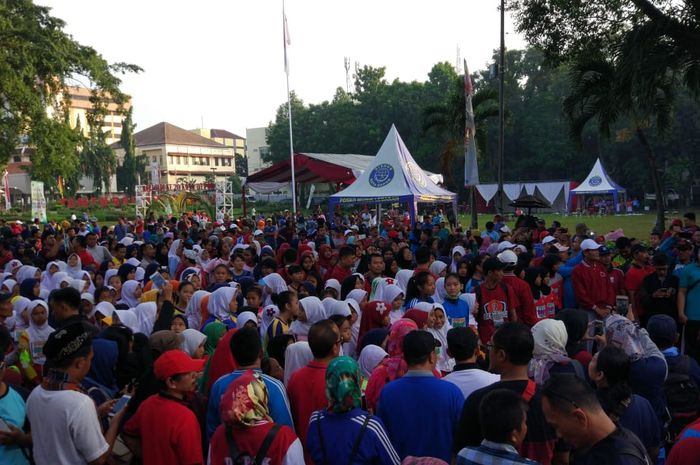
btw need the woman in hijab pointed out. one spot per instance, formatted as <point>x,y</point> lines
<point>30,288</point>
<point>274,284</point>
<point>131,293</point>
<point>377,337</point>
<point>358,295</point>
<point>648,369</point>
<point>311,311</point>
<point>126,272</point>
<point>438,268</point>
<point>32,340</point>
<point>402,278</point>
<point>102,370</point>
<point>146,316</point>
<point>127,318</point>
<point>440,291</point>
<point>375,315</point>
<point>20,315</point>
<point>457,253</point>
<point>351,282</point>
<point>222,308</point>
<point>370,357</point>
<point>438,326</point>
<point>193,310</point>
<point>296,356</point>
<point>344,428</point>
<point>193,343</point>
<point>576,322</point>
<point>246,424</point>
<point>27,272</point>
<point>391,368</point>
<point>549,355</point>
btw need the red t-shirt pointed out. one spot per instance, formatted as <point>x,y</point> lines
<point>86,259</point>
<point>492,309</point>
<point>307,393</point>
<point>168,430</point>
<point>592,286</point>
<point>339,273</point>
<point>248,442</point>
<point>524,301</point>
<point>633,282</point>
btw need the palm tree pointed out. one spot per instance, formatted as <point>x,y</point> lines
<point>448,120</point>
<point>602,90</point>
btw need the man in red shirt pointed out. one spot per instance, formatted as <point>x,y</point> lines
<point>524,301</point>
<point>592,286</point>
<point>494,300</point>
<point>616,275</point>
<point>638,270</point>
<point>343,269</point>
<point>164,429</point>
<point>80,248</point>
<point>307,387</point>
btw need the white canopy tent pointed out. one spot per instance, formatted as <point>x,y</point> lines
<point>598,182</point>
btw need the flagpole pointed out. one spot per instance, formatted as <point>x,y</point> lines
<point>289,113</point>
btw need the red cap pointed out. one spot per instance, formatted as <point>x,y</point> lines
<point>676,222</point>
<point>174,362</point>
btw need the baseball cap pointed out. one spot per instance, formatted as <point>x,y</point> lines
<point>257,232</point>
<point>190,254</point>
<point>662,329</point>
<point>66,342</point>
<point>677,222</point>
<point>590,244</point>
<point>603,250</point>
<point>508,257</point>
<point>505,229</point>
<point>417,345</point>
<point>174,362</point>
<point>560,247</point>
<point>505,245</point>
<point>548,239</point>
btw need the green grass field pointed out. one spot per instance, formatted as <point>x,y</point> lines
<point>638,225</point>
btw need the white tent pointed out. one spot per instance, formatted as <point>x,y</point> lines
<point>393,177</point>
<point>599,183</point>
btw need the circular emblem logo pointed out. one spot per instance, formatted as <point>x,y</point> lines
<point>416,174</point>
<point>595,181</point>
<point>381,175</point>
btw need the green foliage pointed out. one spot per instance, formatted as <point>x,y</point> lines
<point>241,164</point>
<point>37,62</point>
<point>128,174</point>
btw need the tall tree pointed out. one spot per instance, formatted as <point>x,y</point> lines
<point>132,165</point>
<point>37,62</point>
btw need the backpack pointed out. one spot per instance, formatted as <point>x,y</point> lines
<point>682,396</point>
<point>238,458</point>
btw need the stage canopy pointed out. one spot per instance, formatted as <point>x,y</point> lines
<point>556,192</point>
<point>393,177</point>
<point>599,183</point>
<point>329,168</point>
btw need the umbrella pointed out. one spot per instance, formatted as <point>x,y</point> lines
<point>530,201</point>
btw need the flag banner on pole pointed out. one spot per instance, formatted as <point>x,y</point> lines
<point>471,167</point>
<point>286,40</point>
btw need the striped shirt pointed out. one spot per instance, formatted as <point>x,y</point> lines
<point>491,453</point>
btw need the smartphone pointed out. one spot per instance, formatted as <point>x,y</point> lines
<point>597,328</point>
<point>622,304</point>
<point>4,427</point>
<point>362,237</point>
<point>121,403</point>
<point>158,280</point>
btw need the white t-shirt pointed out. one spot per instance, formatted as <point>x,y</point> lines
<point>470,380</point>
<point>65,428</point>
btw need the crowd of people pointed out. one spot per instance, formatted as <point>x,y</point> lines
<point>354,339</point>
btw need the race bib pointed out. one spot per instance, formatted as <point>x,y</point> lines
<point>496,311</point>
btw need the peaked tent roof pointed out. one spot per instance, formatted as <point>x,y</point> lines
<point>393,174</point>
<point>598,182</point>
<point>166,133</point>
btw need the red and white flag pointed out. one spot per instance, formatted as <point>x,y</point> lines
<point>286,40</point>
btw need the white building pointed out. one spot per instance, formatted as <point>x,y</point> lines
<point>256,143</point>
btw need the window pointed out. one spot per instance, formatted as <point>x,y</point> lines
<point>16,159</point>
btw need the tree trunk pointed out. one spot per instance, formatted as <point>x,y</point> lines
<point>655,178</point>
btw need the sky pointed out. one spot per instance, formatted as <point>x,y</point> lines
<point>219,63</point>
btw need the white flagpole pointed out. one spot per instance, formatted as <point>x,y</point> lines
<point>289,112</point>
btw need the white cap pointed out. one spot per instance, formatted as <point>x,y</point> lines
<point>561,247</point>
<point>508,257</point>
<point>18,222</point>
<point>505,229</point>
<point>349,231</point>
<point>258,232</point>
<point>589,244</point>
<point>521,248</point>
<point>548,239</point>
<point>505,245</point>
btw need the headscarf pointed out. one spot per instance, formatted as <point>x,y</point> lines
<point>357,295</point>
<point>74,270</point>
<point>333,284</point>
<point>453,263</point>
<point>373,316</point>
<point>38,333</point>
<point>315,312</point>
<point>12,265</point>
<point>275,282</point>
<point>296,356</point>
<point>26,288</point>
<point>47,279</point>
<point>26,272</point>
<point>550,348</point>
<point>622,333</point>
<point>402,277</point>
<point>18,307</point>
<point>440,291</point>
<point>245,317</point>
<point>128,293</point>
<point>193,311</point>
<point>324,262</point>
<point>347,285</point>
<point>105,308</point>
<point>269,313</point>
<point>104,361</point>
<point>394,345</point>
<point>146,314</point>
<point>378,286</point>
<point>245,402</point>
<point>214,333</point>
<point>418,316</point>
<point>343,384</point>
<point>164,340</point>
<point>576,322</point>
<point>328,303</point>
<point>437,267</point>
<point>444,362</point>
<point>85,276</point>
<point>370,357</point>
<point>219,303</point>
<point>191,340</point>
<point>394,366</point>
<point>375,337</point>
<point>339,307</point>
<point>128,318</point>
<point>10,284</point>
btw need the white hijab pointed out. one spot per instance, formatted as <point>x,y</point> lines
<point>128,295</point>
<point>445,362</point>
<point>73,271</point>
<point>455,263</point>
<point>191,340</point>
<point>296,356</point>
<point>370,357</point>
<point>38,333</point>
<point>402,278</point>
<point>219,302</point>
<point>315,312</point>
<point>26,272</point>
<point>146,315</point>
<point>193,311</point>
<point>128,318</point>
